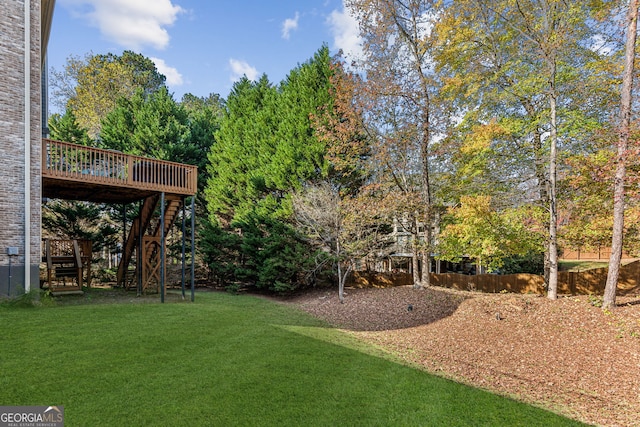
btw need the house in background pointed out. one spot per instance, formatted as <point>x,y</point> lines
<point>23,45</point>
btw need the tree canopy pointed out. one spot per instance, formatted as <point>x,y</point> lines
<point>92,86</point>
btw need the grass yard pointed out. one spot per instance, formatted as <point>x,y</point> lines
<point>581,265</point>
<point>224,361</point>
<point>584,265</point>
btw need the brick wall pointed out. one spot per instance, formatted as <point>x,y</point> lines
<point>13,218</point>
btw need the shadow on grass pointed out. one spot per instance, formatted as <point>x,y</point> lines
<point>109,295</point>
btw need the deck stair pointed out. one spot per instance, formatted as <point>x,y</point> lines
<point>139,227</point>
<point>147,225</point>
<point>77,172</point>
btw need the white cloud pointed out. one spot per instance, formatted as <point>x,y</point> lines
<point>174,78</point>
<point>345,31</point>
<point>242,68</point>
<point>132,24</point>
<point>289,25</point>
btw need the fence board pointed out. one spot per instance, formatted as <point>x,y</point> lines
<point>569,283</point>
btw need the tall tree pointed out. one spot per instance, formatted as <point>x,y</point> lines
<point>497,148</point>
<point>298,154</point>
<point>609,302</point>
<point>204,115</point>
<point>92,86</point>
<point>339,125</point>
<point>266,149</point>
<point>329,210</point>
<point>404,106</point>
<point>266,145</point>
<point>529,51</point>
<point>151,125</point>
<point>241,151</point>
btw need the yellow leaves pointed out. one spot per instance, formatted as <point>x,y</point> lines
<point>451,85</point>
<point>478,230</point>
<point>471,219</point>
<point>474,155</point>
<point>481,137</point>
<point>474,207</point>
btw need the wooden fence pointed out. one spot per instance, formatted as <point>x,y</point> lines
<point>569,283</point>
<point>599,253</point>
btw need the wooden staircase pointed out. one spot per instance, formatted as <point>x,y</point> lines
<point>149,248</point>
<point>138,228</point>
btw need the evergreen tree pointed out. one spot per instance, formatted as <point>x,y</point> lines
<point>152,125</point>
<point>66,128</point>
<point>264,150</point>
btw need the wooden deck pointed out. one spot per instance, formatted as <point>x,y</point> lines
<point>77,172</point>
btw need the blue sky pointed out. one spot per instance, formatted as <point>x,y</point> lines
<point>203,46</point>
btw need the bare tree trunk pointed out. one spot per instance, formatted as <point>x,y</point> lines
<point>551,57</point>
<point>552,292</point>
<point>543,187</point>
<point>426,268</point>
<point>436,233</point>
<point>609,302</point>
<point>425,279</point>
<point>340,284</point>
<point>415,269</point>
<point>415,259</point>
<point>342,279</point>
<point>426,190</point>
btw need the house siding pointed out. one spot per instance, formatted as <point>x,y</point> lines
<point>13,217</point>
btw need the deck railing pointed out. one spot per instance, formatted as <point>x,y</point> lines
<point>88,164</point>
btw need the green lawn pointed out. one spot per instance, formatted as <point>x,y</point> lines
<point>224,361</point>
<point>583,265</point>
<point>576,265</point>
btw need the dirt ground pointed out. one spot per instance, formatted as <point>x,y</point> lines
<point>567,355</point>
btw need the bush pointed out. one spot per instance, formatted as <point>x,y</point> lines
<point>532,263</point>
<point>266,254</point>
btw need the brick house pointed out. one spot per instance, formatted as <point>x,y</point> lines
<point>23,45</point>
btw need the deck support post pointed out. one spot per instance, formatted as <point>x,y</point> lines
<point>162,247</point>
<point>139,260</point>
<point>124,235</point>
<point>184,211</point>
<point>193,246</point>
